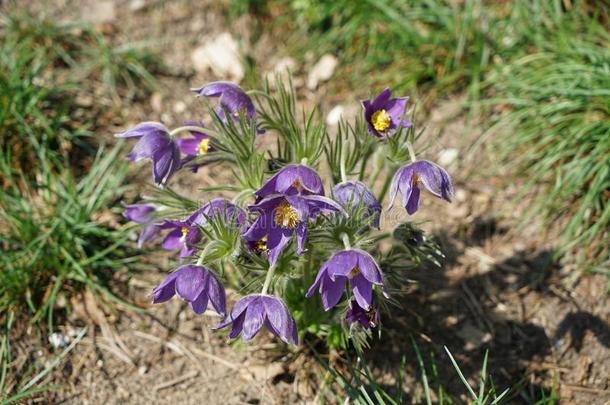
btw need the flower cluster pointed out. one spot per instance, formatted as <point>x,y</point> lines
<point>282,211</point>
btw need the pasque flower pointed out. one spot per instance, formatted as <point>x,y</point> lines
<point>408,179</point>
<point>355,313</point>
<point>195,284</point>
<point>384,114</point>
<point>142,214</point>
<point>233,100</point>
<point>251,312</point>
<point>183,235</point>
<point>354,195</point>
<point>198,144</point>
<point>223,208</point>
<point>157,145</point>
<point>290,180</point>
<point>283,215</point>
<point>353,265</point>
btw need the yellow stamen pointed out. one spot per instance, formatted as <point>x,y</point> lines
<point>414,180</point>
<point>381,120</point>
<point>296,184</point>
<point>354,272</point>
<point>203,146</point>
<point>286,216</point>
<point>184,231</point>
<point>261,245</point>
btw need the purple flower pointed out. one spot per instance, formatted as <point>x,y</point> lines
<point>195,284</point>
<point>408,179</point>
<point>355,265</point>
<point>155,144</point>
<point>183,235</point>
<point>233,100</point>
<point>142,214</point>
<point>384,114</point>
<point>368,319</point>
<point>253,311</point>
<point>223,208</point>
<point>282,216</point>
<point>138,213</point>
<point>292,179</point>
<point>353,195</point>
<point>198,144</point>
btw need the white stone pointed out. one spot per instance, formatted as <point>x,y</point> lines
<point>334,115</point>
<point>58,340</point>
<point>221,55</point>
<point>447,157</point>
<point>99,12</point>
<point>179,107</point>
<point>321,71</point>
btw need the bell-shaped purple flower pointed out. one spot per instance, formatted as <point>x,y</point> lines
<point>195,284</point>
<point>368,319</point>
<point>233,100</point>
<point>183,235</point>
<point>283,215</point>
<point>290,180</point>
<point>142,214</point>
<point>408,179</point>
<point>138,213</point>
<point>223,208</point>
<point>197,145</point>
<point>353,265</point>
<point>155,144</point>
<point>384,114</point>
<point>253,311</point>
<point>354,195</point>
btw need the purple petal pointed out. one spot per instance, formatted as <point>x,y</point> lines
<point>165,163</point>
<point>368,267</point>
<point>255,317</point>
<point>342,263</point>
<point>190,282</point>
<point>139,213</point>
<point>413,203</point>
<point>301,232</point>
<point>216,292</point>
<point>173,240</point>
<point>148,234</point>
<point>166,290</point>
<point>363,291</point>
<point>144,128</point>
<point>149,145</point>
<point>200,303</point>
<point>331,291</point>
<point>381,100</point>
<point>280,321</point>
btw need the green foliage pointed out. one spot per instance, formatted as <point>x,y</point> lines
<point>558,130</point>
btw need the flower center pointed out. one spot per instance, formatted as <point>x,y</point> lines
<point>354,272</point>
<point>203,146</point>
<point>297,184</point>
<point>261,245</point>
<point>414,180</point>
<point>286,216</point>
<point>381,120</point>
<point>184,231</point>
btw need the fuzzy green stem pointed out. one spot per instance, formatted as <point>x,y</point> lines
<point>342,165</point>
<point>268,279</point>
<point>386,185</point>
<point>345,239</point>
<point>304,161</point>
<point>193,128</point>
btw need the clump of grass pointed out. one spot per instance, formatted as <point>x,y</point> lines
<point>52,236</point>
<point>556,133</point>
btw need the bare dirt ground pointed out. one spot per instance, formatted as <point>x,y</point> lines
<point>498,289</point>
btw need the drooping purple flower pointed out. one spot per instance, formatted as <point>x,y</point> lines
<point>253,311</point>
<point>223,208</point>
<point>353,265</point>
<point>368,319</point>
<point>138,213</point>
<point>195,284</point>
<point>183,235</point>
<point>233,100</point>
<point>384,114</point>
<point>283,215</point>
<point>155,144</point>
<point>408,179</point>
<point>354,195</point>
<point>142,214</point>
<point>291,180</point>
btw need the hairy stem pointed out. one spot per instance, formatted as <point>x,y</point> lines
<point>345,239</point>
<point>411,152</point>
<point>268,279</point>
